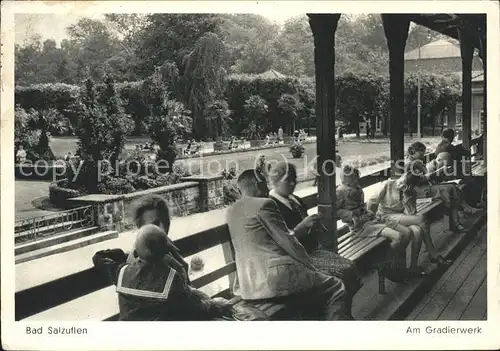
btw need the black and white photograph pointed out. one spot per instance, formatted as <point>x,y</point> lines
<point>276,162</point>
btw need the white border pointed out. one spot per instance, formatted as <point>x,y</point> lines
<point>261,335</point>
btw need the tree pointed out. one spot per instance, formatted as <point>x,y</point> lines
<point>249,40</point>
<point>255,111</point>
<point>420,35</point>
<point>168,119</point>
<point>204,80</point>
<point>217,117</point>
<point>290,107</point>
<point>295,48</point>
<point>121,124</point>
<point>27,61</point>
<point>95,139</point>
<point>93,44</point>
<point>170,37</point>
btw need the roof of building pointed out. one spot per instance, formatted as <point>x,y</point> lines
<point>437,49</point>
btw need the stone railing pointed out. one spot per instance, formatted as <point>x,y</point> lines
<point>194,194</point>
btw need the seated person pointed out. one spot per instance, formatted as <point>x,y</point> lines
<point>453,154</point>
<point>270,261</point>
<point>268,139</point>
<point>351,209</point>
<point>283,180</point>
<point>153,285</point>
<point>449,193</point>
<point>395,206</point>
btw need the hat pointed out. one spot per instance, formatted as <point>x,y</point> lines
<point>151,243</point>
<point>282,171</point>
<point>349,175</point>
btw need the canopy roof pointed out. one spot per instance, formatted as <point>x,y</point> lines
<point>449,23</point>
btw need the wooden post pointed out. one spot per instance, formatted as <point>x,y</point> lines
<point>396,31</point>
<point>323,27</point>
<point>484,120</point>
<point>467,53</point>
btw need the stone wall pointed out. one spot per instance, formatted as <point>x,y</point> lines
<point>194,194</point>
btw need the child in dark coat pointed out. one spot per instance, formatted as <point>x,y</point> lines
<point>154,286</point>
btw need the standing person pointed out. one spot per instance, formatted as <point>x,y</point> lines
<point>283,180</point>
<point>270,261</point>
<point>68,156</point>
<point>280,134</point>
<point>261,166</point>
<point>187,151</point>
<point>21,154</point>
<point>268,139</point>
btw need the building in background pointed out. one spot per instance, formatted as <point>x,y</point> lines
<point>443,56</point>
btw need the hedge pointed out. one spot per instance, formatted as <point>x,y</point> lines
<point>357,96</point>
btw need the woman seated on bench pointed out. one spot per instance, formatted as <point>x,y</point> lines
<point>396,206</point>
<point>448,193</point>
<point>283,178</point>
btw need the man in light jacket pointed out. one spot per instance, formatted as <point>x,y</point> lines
<point>270,261</point>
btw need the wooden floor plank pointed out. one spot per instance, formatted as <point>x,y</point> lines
<point>425,300</point>
<point>476,310</point>
<point>441,299</point>
<point>466,292</point>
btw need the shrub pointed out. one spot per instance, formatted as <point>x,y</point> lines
<point>229,174</point>
<point>114,186</point>
<point>197,264</point>
<point>59,193</point>
<point>297,150</point>
<point>230,193</point>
